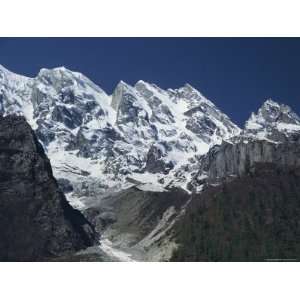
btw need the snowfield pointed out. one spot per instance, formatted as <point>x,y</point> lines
<point>140,133</point>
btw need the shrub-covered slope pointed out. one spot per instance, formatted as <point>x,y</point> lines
<point>252,218</point>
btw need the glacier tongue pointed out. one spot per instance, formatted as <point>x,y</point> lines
<point>98,142</point>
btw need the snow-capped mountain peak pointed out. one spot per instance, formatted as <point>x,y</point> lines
<point>273,121</point>
<point>140,132</point>
<point>189,91</point>
<point>15,91</point>
<point>4,70</point>
<point>7,75</point>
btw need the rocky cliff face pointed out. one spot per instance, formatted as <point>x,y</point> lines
<point>36,221</point>
<point>230,160</point>
<point>142,137</point>
<point>270,136</point>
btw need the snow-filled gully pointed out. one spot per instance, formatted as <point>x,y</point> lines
<point>107,247</point>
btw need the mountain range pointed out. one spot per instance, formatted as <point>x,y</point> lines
<point>142,142</point>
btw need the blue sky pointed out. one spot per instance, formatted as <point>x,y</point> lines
<point>237,74</point>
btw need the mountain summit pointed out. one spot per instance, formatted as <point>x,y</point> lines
<point>273,121</point>
<point>133,161</point>
<point>141,134</point>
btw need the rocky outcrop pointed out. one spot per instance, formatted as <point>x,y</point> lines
<point>36,221</point>
<point>272,135</point>
<point>236,159</point>
<point>155,162</point>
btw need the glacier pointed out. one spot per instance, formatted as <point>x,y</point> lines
<point>140,135</point>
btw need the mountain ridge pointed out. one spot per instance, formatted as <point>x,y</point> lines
<point>140,133</point>
<point>143,143</point>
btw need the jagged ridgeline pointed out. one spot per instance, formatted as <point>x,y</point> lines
<point>100,142</point>
<point>142,133</point>
<point>144,157</point>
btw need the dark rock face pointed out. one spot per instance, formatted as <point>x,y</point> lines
<point>71,118</point>
<point>65,185</point>
<point>36,221</point>
<point>45,132</point>
<point>155,162</point>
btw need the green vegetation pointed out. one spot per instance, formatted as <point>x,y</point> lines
<point>254,218</point>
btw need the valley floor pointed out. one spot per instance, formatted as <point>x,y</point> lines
<point>105,251</point>
<point>114,253</point>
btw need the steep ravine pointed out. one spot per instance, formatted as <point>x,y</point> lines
<point>137,225</point>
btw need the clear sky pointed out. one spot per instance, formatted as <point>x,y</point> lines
<point>237,74</point>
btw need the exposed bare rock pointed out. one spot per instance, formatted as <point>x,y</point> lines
<point>236,159</point>
<point>36,221</point>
